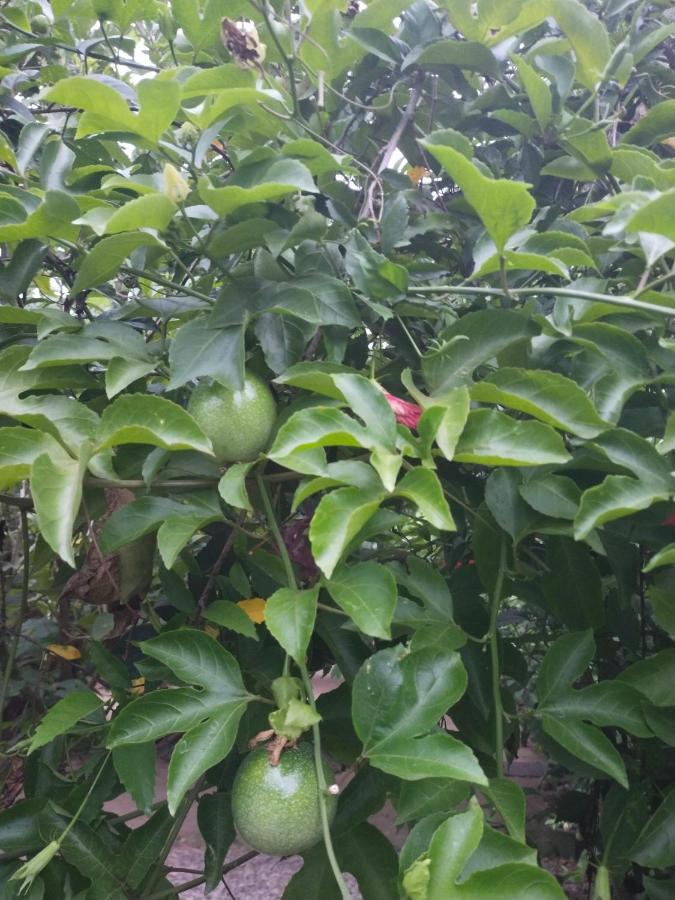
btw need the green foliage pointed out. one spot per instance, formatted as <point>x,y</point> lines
<point>467,204</point>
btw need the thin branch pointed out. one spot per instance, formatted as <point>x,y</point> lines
<point>181,888</point>
<point>215,569</point>
<point>612,299</point>
<point>388,151</point>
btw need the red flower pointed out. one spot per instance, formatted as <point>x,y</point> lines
<point>406,413</point>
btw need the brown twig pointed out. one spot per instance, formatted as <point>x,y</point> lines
<point>215,569</point>
<point>388,152</point>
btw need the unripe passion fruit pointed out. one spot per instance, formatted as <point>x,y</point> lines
<point>276,808</point>
<point>238,423</point>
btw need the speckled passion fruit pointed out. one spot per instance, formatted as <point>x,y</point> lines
<point>239,423</point>
<point>276,808</point>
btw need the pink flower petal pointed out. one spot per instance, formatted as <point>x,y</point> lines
<point>406,413</point>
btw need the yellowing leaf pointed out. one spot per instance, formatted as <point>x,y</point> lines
<point>254,609</point>
<point>65,651</point>
<point>138,685</point>
<point>212,631</point>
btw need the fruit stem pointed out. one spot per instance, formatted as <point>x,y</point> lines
<point>323,791</point>
<point>274,528</point>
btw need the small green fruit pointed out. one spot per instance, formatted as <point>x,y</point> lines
<point>238,423</point>
<point>276,808</point>
<point>39,24</point>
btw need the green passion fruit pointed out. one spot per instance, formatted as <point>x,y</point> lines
<point>238,423</point>
<point>276,808</point>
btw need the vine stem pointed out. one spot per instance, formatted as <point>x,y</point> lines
<point>274,528</point>
<point>86,798</point>
<point>323,791</point>
<point>493,635</point>
<point>612,299</point>
<point>181,813</point>
<point>318,762</point>
<point>14,645</point>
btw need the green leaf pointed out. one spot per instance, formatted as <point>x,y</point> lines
<point>654,677</point>
<point>69,710</point>
<point>589,744</point>
<point>495,439</point>
<point>318,426</point>
<point>370,405</point>
<point>202,747</point>
<point>150,211</point>
<point>316,377</point>
<point>552,495</point>
<point>546,396</point>
<point>609,703</point>
<point>131,522</point>
<point>19,826</point>
<point>422,487</point>
<point>511,880</point>
<point>19,448</point>
<point>655,845</point>
<point>135,765</point>
<point>214,817</point>
<point>290,616</point>
<point>229,615</point>
<point>664,557</point>
<point>456,404</point>
<point>587,36</point>
<point>656,217</point>
<point>200,349</point>
<point>503,206</point>
<point>83,848</point>
<point>476,338</point>
<point>179,527</point>
<point>616,497</point>
<point>658,123</point>
<point>468,55</point>
<point>506,505</point>
<point>367,593</point>
<point>397,698</point>
<point>51,218</point>
<point>566,660</point>
<point>337,519</point>
<point>122,372</point>
<point>209,716</point>
<point>103,261</point>
<point>232,486</point>
<point>429,795</point>
<point>509,800</point>
<point>273,181</point>
<point>56,486</point>
<point>538,91</point>
<point>146,419</point>
<point>453,843</point>
<point>571,564</point>
<point>293,719</point>
<point>144,844</point>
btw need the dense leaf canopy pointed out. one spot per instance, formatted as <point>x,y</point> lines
<point>444,233</point>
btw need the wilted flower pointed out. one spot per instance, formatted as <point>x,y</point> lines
<point>242,41</point>
<point>406,413</point>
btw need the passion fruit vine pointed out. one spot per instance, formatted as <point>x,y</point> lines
<point>238,423</point>
<point>276,808</point>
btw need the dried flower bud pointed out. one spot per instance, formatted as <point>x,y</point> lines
<point>241,40</point>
